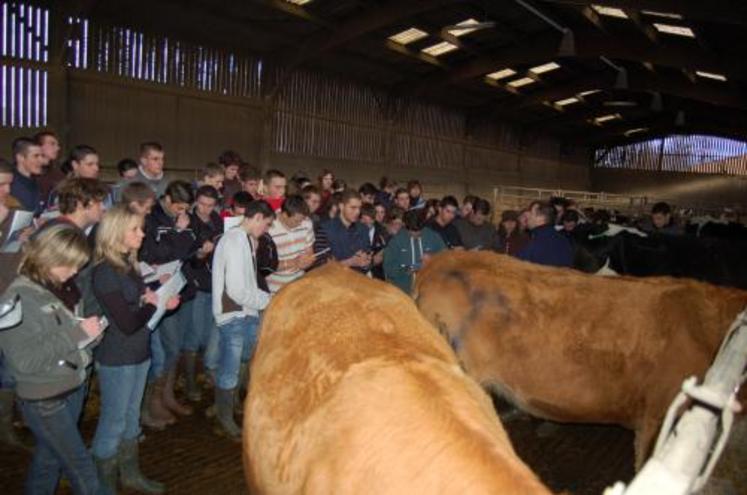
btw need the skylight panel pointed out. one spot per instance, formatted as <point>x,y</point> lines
<point>607,118</point>
<point>590,92</point>
<point>665,15</point>
<point>610,11</point>
<point>501,74</point>
<point>466,30</point>
<point>408,36</point>
<point>298,2</point>
<point>711,75</point>
<point>439,48</point>
<point>518,83</point>
<point>541,69</point>
<point>675,30</point>
<point>567,101</point>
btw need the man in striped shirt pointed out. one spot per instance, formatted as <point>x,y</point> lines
<point>293,234</point>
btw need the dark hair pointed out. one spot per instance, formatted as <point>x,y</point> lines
<point>149,146</point>
<point>394,213</point>
<point>559,201</point>
<point>325,171</point>
<point>414,183</point>
<point>368,189</point>
<point>39,136</point>
<point>432,203</point>
<point>138,192</point>
<point>249,172</point>
<point>385,182</point>
<point>448,201</point>
<point>481,206</point>
<point>21,145</point>
<point>212,169</point>
<point>260,207</point>
<point>229,158</point>
<point>179,191</point>
<point>124,165</point>
<point>5,167</point>
<point>545,209</point>
<point>242,199</point>
<point>570,216</point>
<point>273,173</point>
<point>368,210</point>
<point>76,190</point>
<point>295,205</point>
<point>414,220</point>
<point>309,190</point>
<point>401,190</point>
<point>339,185</point>
<point>470,198</point>
<point>208,192</point>
<point>661,207</point>
<point>77,154</point>
<point>349,194</point>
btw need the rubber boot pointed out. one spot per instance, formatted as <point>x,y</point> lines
<point>169,400</point>
<point>224,413</point>
<point>129,469</point>
<point>241,389</point>
<point>106,469</point>
<point>146,418</point>
<point>8,434</point>
<point>190,372</point>
<point>156,406</point>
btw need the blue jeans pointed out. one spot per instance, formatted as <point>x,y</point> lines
<point>201,324</point>
<point>157,356</point>
<point>59,446</point>
<point>121,389</point>
<point>237,340</point>
<point>166,340</point>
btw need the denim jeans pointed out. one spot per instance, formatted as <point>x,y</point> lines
<point>59,446</point>
<point>121,389</point>
<point>157,356</point>
<point>166,340</point>
<point>201,324</point>
<point>237,339</point>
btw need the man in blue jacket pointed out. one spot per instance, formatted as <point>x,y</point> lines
<point>546,246</point>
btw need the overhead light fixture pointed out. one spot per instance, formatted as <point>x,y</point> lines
<point>465,30</point>
<point>517,83</point>
<point>609,11</point>
<point>408,36</point>
<point>666,15</point>
<point>637,130</point>
<point>675,30</point>
<point>606,118</point>
<point>439,48</point>
<point>298,2</point>
<point>541,69</point>
<point>620,103</point>
<point>711,75</point>
<point>567,101</point>
<point>589,92</point>
<point>501,74</point>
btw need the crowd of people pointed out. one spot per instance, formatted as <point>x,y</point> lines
<point>239,236</point>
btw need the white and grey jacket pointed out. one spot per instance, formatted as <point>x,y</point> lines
<point>46,352</point>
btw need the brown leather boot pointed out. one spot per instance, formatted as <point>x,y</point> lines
<point>169,400</point>
<point>157,409</point>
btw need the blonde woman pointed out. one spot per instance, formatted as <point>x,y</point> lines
<point>47,356</point>
<point>123,356</point>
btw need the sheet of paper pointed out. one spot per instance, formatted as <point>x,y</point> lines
<point>169,268</point>
<point>21,220</point>
<point>168,290</point>
<point>232,222</point>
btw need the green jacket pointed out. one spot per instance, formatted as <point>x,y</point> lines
<point>46,352</point>
<point>404,255</point>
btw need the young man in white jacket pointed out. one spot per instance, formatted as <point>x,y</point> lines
<point>237,302</point>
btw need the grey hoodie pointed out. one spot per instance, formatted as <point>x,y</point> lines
<point>46,352</point>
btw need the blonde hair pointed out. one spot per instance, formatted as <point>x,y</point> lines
<point>55,246</point>
<point>110,238</point>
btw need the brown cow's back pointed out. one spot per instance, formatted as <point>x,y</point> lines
<point>352,391</point>
<point>569,346</point>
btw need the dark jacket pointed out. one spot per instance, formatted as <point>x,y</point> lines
<point>549,247</point>
<point>449,234</point>
<point>46,352</point>
<point>344,241</point>
<point>127,339</point>
<point>512,244</point>
<point>380,240</point>
<point>267,260</point>
<point>197,270</point>
<point>163,243</point>
<point>27,192</point>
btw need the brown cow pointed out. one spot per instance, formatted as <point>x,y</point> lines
<point>572,347</point>
<point>353,392</point>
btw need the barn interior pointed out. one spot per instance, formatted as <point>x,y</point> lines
<point>617,103</point>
